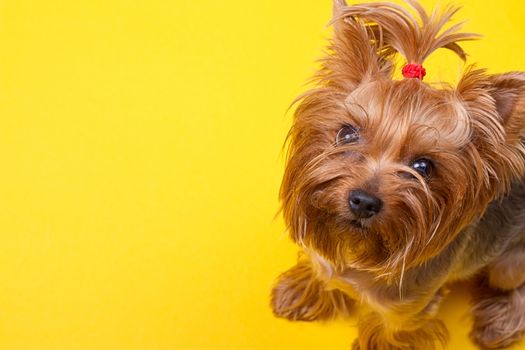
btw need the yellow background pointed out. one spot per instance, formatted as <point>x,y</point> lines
<point>140,145</point>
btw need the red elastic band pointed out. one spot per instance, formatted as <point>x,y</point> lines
<point>412,70</point>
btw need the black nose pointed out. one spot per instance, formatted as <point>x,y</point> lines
<point>364,205</point>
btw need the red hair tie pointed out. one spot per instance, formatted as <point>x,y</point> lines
<point>411,70</point>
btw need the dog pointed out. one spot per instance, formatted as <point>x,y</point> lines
<point>395,188</point>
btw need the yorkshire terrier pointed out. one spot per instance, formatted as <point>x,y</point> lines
<point>394,188</point>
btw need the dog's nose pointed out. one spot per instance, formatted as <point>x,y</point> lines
<point>363,204</point>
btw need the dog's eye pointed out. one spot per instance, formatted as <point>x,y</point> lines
<point>423,166</point>
<point>346,134</point>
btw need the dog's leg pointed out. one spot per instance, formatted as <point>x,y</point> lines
<point>299,295</point>
<point>499,303</point>
<point>402,327</point>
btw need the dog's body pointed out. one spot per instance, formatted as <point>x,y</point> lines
<point>394,188</point>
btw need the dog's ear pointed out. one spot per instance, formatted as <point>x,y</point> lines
<point>496,108</point>
<point>496,102</point>
<point>355,53</point>
<point>508,92</point>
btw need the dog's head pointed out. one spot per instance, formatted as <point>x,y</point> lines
<point>382,173</point>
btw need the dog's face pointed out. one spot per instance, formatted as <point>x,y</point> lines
<point>382,174</point>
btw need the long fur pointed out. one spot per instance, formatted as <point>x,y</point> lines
<point>428,231</point>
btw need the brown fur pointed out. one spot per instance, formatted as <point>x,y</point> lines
<point>499,316</point>
<point>301,296</point>
<point>430,230</point>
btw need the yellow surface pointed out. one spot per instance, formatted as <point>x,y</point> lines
<point>140,144</point>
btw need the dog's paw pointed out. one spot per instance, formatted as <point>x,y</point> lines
<point>499,320</point>
<point>496,336</point>
<point>298,296</point>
